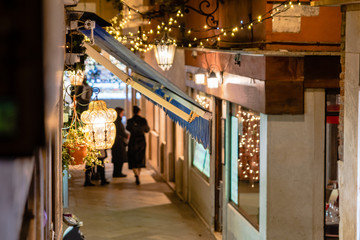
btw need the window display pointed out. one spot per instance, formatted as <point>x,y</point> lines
<point>245,160</point>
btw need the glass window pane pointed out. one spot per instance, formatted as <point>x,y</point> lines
<point>202,159</point>
<point>245,146</point>
<point>234,160</point>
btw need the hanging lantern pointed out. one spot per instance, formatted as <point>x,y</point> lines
<point>212,81</point>
<point>99,125</point>
<point>165,53</point>
<point>76,79</point>
<point>200,78</point>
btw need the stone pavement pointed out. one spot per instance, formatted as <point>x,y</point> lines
<point>124,211</point>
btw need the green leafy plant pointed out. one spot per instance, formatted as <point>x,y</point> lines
<point>75,140</point>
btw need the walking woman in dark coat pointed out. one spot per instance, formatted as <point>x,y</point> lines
<point>137,126</point>
<point>118,150</point>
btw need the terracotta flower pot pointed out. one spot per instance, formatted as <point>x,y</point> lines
<point>78,154</point>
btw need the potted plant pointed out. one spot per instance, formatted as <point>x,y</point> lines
<point>75,148</point>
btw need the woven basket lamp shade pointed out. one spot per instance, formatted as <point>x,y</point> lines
<point>99,125</point>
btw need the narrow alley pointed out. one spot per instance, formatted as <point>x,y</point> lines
<point>122,210</point>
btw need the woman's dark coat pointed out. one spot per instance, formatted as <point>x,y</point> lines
<point>118,150</point>
<point>137,126</point>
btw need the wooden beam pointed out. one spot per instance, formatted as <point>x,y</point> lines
<point>322,71</point>
<point>332,2</point>
<point>140,88</point>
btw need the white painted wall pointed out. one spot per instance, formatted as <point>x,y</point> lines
<point>291,177</point>
<point>241,228</point>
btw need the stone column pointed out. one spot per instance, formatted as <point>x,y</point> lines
<point>349,168</point>
<point>292,172</point>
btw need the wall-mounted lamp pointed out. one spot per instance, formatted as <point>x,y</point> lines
<point>200,78</point>
<point>212,80</point>
<point>76,79</point>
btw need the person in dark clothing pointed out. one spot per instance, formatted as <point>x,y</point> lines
<point>118,150</point>
<point>101,169</point>
<point>137,126</point>
<point>83,95</point>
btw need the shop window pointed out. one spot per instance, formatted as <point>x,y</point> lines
<point>245,171</point>
<point>201,159</point>
<point>201,156</point>
<point>331,169</point>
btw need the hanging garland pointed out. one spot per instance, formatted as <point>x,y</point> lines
<point>140,41</point>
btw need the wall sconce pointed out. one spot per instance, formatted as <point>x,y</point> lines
<point>76,79</point>
<point>212,80</point>
<point>99,125</point>
<point>200,78</point>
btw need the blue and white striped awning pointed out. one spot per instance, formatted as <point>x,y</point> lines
<point>177,105</point>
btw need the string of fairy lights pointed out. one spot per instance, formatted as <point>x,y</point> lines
<point>249,145</point>
<point>203,101</point>
<point>144,40</point>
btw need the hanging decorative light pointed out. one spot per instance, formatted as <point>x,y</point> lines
<point>76,79</point>
<point>165,52</point>
<point>212,80</point>
<point>99,125</point>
